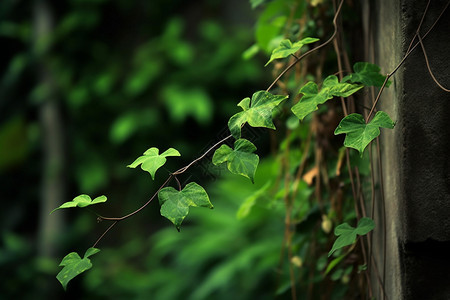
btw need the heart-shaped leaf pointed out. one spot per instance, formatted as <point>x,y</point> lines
<point>287,48</point>
<point>257,112</point>
<point>151,161</point>
<point>312,97</point>
<point>175,204</point>
<point>347,234</point>
<point>360,134</point>
<point>367,74</point>
<point>241,160</point>
<point>82,201</point>
<point>74,265</point>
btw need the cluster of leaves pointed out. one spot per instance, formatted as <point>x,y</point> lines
<point>94,67</point>
<point>257,111</point>
<point>225,258</point>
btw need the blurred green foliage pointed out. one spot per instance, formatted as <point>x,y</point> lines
<point>125,76</point>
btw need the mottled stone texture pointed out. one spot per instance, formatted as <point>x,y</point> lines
<point>416,154</point>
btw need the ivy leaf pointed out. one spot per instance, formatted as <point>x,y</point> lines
<point>241,160</point>
<point>347,234</point>
<point>286,48</point>
<point>367,74</point>
<point>151,161</point>
<point>312,97</point>
<point>257,112</point>
<point>175,204</point>
<point>360,134</point>
<point>81,201</point>
<point>74,265</point>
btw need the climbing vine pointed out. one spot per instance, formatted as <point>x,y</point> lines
<point>305,108</point>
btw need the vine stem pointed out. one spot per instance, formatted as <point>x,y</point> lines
<point>178,182</point>
<point>184,169</point>
<point>297,59</point>
<point>428,65</point>
<point>383,203</point>
<point>140,208</point>
<point>408,52</point>
<point>104,233</point>
<point>171,175</point>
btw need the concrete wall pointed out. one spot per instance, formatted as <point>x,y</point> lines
<point>416,154</point>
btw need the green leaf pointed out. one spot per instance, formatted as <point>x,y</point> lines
<point>347,234</point>
<point>151,161</point>
<point>257,112</point>
<point>82,201</point>
<point>286,48</point>
<point>365,225</point>
<point>74,265</point>
<point>360,134</point>
<point>367,74</point>
<point>241,160</point>
<point>175,204</point>
<point>312,97</point>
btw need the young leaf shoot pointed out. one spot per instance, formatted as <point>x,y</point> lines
<point>81,201</point>
<point>151,161</point>
<point>287,48</point>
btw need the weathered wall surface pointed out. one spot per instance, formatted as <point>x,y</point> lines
<point>416,154</point>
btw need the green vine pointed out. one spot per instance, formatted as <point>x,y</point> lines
<point>305,106</point>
